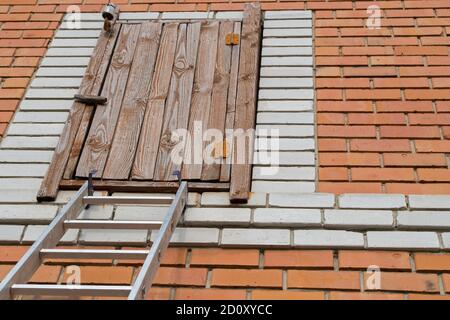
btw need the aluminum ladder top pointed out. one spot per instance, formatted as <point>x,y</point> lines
<point>15,283</point>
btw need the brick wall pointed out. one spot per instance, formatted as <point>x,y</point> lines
<point>199,273</point>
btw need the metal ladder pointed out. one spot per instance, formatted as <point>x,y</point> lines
<point>15,283</point>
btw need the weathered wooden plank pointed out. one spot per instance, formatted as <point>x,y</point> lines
<point>147,150</point>
<point>98,142</point>
<point>225,170</point>
<point>217,115</point>
<point>146,186</point>
<point>90,85</point>
<point>137,93</point>
<point>201,100</point>
<point>79,142</point>
<point>246,102</point>
<point>88,99</point>
<point>176,114</point>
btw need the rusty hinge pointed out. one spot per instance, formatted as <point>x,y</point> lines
<point>232,39</point>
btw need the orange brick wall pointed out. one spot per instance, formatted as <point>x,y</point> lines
<point>383,97</point>
<point>206,273</point>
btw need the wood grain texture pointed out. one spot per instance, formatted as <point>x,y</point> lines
<point>147,150</point>
<point>246,101</point>
<point>128,129</point>
<point>176,114</point>
<point>90,85</point>
<point>225,169</point>
<point>201,100</point>
<point>101,132</point>
<point>218,111</point>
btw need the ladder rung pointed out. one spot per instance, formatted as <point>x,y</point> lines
<point>70,290</point>
<point>94,200</point>
<point>93,254</point>
<point>107,224</point>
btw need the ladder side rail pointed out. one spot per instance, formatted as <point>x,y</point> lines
<point>151,264</point>
<point>30,262</point>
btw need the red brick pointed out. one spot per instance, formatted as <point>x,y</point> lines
<point>330,118</point>
<point>333,174</point>
<point>349,187</point>
<point>287,295</point>
<point>341,61</point>
<point>350,42</point>
<point>429,119</point>
<point>282,6</point>
<point>410,282</point>
<point>246,278</point>
<point>306,279</point>
<point>210,294</point>
<point>422,94</point>
<point>423,51</point>
<point>225,257</point>
<point>340,295</point>
<point>432,262</point>
<point>4,269</point>
<point>327,51</point>
<point>158,293</point>
<point>328,72</point>
<point>404,106</point>
<point>382,174</point>
<point>414,13</point>
<point>104,275</point>
<point>181,276</point>
<point>382,259</point>
<point>446,279</point>
<point>438,61</point>
<point>349,159</point>
<point>415,188</point>
<point>298,259</point>
<point>5,116</point>
<point>346,131</point>
<point>414,160</point>
<point>350,106</point>
<point>424,71</point>
<point>11,254</point>
<point>434,175</point>
<point>8,105</point>
<point>332,145</point>
<point>368,51</point>
<point>396,61</point>
<point>342,83</point>
<point>47,274</point>
<point>441,82</point>
<point>16,83</point>
<point>11,93</point>
<point>369,71</point>
<point>372,145</point>
<point>409,132</point>
<point>376,119</point>
<point>373,94</point>
<point>328,94</point>
<point>417,296</point>
<point>401,83</point>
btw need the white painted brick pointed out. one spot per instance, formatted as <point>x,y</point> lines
<point>46,105</point>
<point>286,72</point>
<point>64,196</point>
<point>328,239</point>
<point>51,93</point>
<point>18,195</point>
<point>287,217</point>
<point>284,144</point>
<point>60,72</point>
<point>33,232</point>
<point>372,201</point>
<point>286,94</point>
<point>229,15</point>
<point>286,131</point>
<point>287,158</point>
<point>286,24</point>
<point>140,213</point>
<point>29,143</point>
<point>103,212</point>
<point>138,15</point>
<point>23,170</point>
<point>85,25</point>
<point>285,118</point>
<point>313,200</point>
<point>56,82</point>
<point>358,219</point>
<point>283,42</point>
<point>423,220</point>
<point>193,198</point>
<point>288,173</point>
<point>66,42</point>
<point>217,216</point>
<point>85,17</point>
<point>283,186</point>
<point>286,61</point>
<point>40,117</point>
<point>288,14</point>
<point>286,51</point>
<point>429,202</point>
<point>130,237</point>
<point>277,105</point>
<point>223,199</point>
<point>82,33</point>
<point>65,61</point>
<point>187,15</point>
<point>20,183</point>
<point>255,237</point>
<point>402,240</point>
<point>192,236</point>
<point>11,233</point>
<point>25,156</point>
<point>304,32</point>
<point>35,129</point>
<point>446,240</point>
<point>27,213</point>
<point>286,83</point>
<point>69,52</point>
